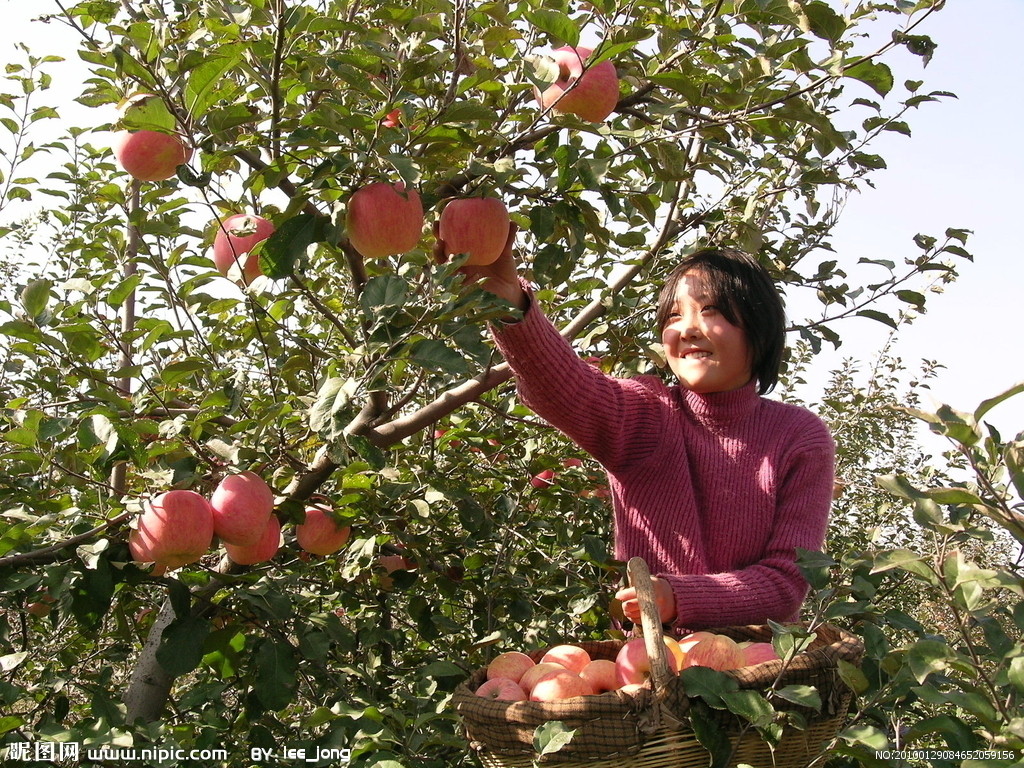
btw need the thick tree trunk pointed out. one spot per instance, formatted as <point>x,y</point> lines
<point>150,686</point>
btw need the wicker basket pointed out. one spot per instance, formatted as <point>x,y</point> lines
<point>650,729</point>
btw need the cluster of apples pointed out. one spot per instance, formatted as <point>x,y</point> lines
<point>384,218</point>
<point>178,527</point>
<point>566,671</point>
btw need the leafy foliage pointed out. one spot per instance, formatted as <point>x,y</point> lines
<point>130,365</point>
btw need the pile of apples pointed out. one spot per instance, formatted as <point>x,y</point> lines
<point>178,527</point>
<point>566,671</point>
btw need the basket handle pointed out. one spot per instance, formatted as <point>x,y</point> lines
<point>650,620</point>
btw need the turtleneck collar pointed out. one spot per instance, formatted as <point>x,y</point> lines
<point>721,408</point>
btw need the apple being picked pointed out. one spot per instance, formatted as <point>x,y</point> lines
<point>589,94</point>
<point>511,664</point>
<point>150,155</point>
<point>476,226</point>
<point>384,219</point>
<point>236,236</point>
<point>501,689</point>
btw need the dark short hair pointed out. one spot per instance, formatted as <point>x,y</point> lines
<point>746,296</point>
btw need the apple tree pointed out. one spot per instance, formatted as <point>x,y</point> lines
<point>367,384</point>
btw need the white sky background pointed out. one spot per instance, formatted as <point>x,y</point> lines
<point>962,168</point>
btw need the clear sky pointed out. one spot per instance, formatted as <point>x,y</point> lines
<point>962,168</point>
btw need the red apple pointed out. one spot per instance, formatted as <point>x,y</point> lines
<point>264,549</point>
<point>476,226</point>
<point>601,675</point>
<point>536,672</point>
<point>150,155</point>
<point>755,653</point>
<point>511,664</point>
<point>242,504</point>
<point>590,95</point>
<point>688,641</point>
<point>319,534</point>
<point>501,689</point>
<point>175,528</point>
<point>718,652</point>
<point>675,652</point>
<point>393,119</point>
<point>633,665</point>
<point>236,236</point>
<point>543,479</point>
<point>558,685</point>
<point>384,219</point>
<point>572,657</point>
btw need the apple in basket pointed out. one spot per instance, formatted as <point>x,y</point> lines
<point>501,689</point>
<point>572,657</point>
<point>601,674</point>
<point>717,651</point>
<point>560,684</point>
<point>633,665</point>
<point>536,672</point>
<point>756,653</point>
<point>511,665</point>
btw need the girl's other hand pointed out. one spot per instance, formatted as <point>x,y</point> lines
<point>664,600</point>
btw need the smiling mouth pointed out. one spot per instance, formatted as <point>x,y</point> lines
<point>696,354</point>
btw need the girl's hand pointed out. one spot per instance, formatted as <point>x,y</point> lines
<point>500,277</point>
<point>664,600</point>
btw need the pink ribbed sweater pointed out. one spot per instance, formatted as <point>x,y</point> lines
<point>716,492</point>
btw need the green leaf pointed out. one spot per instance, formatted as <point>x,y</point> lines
<point>181,645</point>
<point>751,706</point>
<point>874,74</point>
<point>175,373</point>
<point>708,684</point>
<point>207,82</point>
<point>556,24</point>
<point>804,695</point>
<point>276,670</point>
<point>710,734</point>
<point>551,737</point>
<point>36,296</point>
<point>881,317</point>
<point>383,291</point>
<point>149,114</point>
<point>435,355</point>
<point>926,657</point>
<point>289,242</point>
<point>992,402</point>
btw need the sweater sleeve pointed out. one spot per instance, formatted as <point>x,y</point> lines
<point>600,413</point>
<point>773,587</point>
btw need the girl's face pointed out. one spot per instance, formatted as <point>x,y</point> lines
<point>705,351</point>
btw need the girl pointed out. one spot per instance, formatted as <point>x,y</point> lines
<point>715,486</point>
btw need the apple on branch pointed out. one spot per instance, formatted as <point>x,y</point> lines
<point>319,533</point>
<point>150,155</point>
<point>174,529</point>
<point>242,504</point>
<point>262,550</point>
<point>383,219</point>
<point>589,92</point>
<point>236,236</point>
